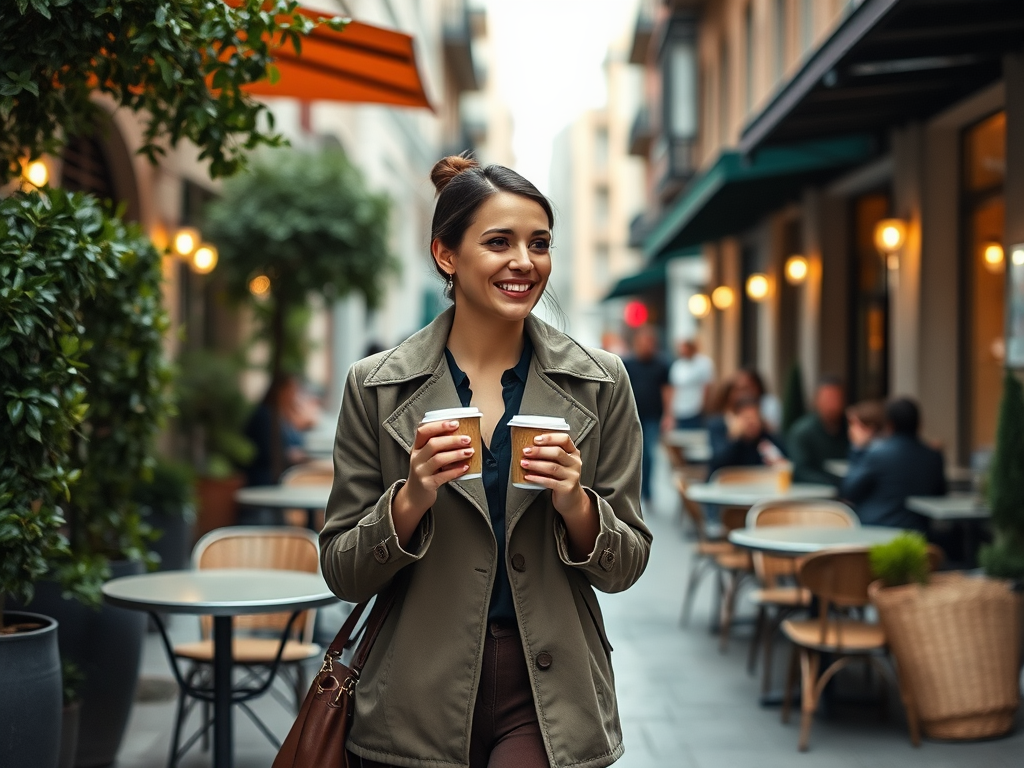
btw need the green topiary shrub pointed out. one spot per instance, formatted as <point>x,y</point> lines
<point>1004,558</point>
<point>904,560</point>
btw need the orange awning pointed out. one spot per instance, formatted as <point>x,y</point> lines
<point>361,63</point>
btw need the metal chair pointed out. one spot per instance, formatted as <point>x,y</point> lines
<point>258,646</point>
<point>779,596</point>
<point>315,472</point>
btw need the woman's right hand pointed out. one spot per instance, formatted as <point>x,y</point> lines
<point>438,457</point>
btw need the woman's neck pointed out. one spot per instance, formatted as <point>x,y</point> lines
<point>480,342</point>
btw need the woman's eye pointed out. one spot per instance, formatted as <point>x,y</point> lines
<point>498,242</point>
<point>540,245</point>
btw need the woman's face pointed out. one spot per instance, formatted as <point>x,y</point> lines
<point>504,260</point>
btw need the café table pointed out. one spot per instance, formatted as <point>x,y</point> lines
<point>749,494</point>
<point>801,540</point>
<point>967,509</point>
<point>311,498</point>
<point>221,593</point>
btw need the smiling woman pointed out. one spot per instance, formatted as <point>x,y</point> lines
<point>497,655</point>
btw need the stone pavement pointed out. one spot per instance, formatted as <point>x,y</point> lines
<point>683,704</point>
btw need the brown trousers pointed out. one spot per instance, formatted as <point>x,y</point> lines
<point>505,729</point>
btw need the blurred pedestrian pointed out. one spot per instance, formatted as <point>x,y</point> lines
<point>296,413</point>
<point>649,378</point>
<point>820,436</point>
<point>691,375</point>
<point>748,441</point>
<point>865,424</point>
<point>494,651</point>
<point>750,383</point>
<point>885,472</point>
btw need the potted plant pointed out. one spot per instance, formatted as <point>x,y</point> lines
<point>211,418</point>
<point>954,639</point>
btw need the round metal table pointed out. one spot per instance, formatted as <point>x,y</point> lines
<point>221,593</point>
<point>799,540</point>
<point>747,495</point>
<point>311,498</point>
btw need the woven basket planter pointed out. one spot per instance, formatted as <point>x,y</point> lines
<point>956,642</point>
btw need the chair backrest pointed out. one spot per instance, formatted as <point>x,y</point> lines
<point>316,472</point>
<point>692,509</point>
<point>745,476</point>
<point>839,578</point>
<point>818,513</point>
<point>271,547</point>
<point>676,455</point>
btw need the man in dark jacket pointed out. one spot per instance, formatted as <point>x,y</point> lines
<point>819,436</point>
<point>887,471</point>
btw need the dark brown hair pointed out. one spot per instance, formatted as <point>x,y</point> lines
<point>462,186</point>
<point>870,413</point>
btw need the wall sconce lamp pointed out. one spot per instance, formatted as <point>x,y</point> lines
<point>204,259</point>
<point>35,173</point>
<point>796,269</point>
<point>757,287</point>
<point>890,235</point>
<point>722,297</point>
<point>185,241</point>
<point>699,305</point>
<point>992,256</point>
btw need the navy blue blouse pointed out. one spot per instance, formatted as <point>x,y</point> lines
<point>497,462</point>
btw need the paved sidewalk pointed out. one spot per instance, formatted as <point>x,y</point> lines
<point>683,704</point>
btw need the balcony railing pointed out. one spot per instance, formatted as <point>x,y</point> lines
<point>639,228</point>
<point>641,133</point>
<point>458,45</point>
<point>672,161</point>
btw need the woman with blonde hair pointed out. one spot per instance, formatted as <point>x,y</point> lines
<point>494,653</point>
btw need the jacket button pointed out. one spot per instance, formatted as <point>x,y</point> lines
<point>543,660</point>
<point>380,553</point>
<point>518,562</point>
<point>607,559</point>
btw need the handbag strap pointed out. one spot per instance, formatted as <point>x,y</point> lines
<point>381,608</point>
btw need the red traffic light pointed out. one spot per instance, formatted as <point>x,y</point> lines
<point>635,314</point>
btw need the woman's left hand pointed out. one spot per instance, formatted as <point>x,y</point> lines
<point>554,462</point>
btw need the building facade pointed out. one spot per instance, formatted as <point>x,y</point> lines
<point>822,129</point>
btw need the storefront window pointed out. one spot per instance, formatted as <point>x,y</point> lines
<point>985,283</point>
<point>869,302</point>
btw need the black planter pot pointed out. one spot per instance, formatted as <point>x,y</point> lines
<point>30,694</point>
<point>106,645</point>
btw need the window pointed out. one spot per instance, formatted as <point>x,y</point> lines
<point>601,266</point>
<point>869,302</point>
<point>601,150</point>
<point>683,97</point>
<point>601,210</point>
<point>781,19</point>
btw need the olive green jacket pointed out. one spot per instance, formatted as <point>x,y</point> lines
<point>414,702</point>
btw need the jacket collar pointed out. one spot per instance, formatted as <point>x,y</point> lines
<point>422,356</point>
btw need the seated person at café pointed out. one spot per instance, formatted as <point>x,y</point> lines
<point>747,441</point>
<point>819,436</point>
<point>865,423</point>
<point>296,414</point>
<point>885,472</point>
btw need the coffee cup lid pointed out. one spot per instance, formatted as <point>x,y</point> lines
<point>451,413</point>
<point>554,423</point>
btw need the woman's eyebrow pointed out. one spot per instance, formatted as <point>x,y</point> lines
<point>498,231</point>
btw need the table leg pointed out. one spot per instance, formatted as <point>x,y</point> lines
<point>223,728</point>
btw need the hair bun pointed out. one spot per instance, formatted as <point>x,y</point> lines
<point>447,168</point>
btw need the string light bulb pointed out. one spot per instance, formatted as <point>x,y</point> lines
<point>796,269</point>
<point>699,305</point>
<point>204,259</point>
<point>36,173</point>
<point>185,241</point>
<point>757,287</point>
<point>723,297</point>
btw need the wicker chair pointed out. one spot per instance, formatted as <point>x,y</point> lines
<point>275,547</point>
<point>778,596</point>
<point>713,554</point>
<point>316,472</point>
<point>838,578</point>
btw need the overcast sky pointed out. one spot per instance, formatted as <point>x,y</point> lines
<point>549,65</point>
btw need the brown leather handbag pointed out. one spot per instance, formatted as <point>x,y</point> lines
<point>318,735</point>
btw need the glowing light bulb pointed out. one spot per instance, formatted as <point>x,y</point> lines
<point>699,305</point>
<point>36,173</point>
<point>185,241</point>
<point>722,297</point>
<point>796,269</point>
<point>204,259</point>
<point>259,286</point>
<point>757,287</point>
